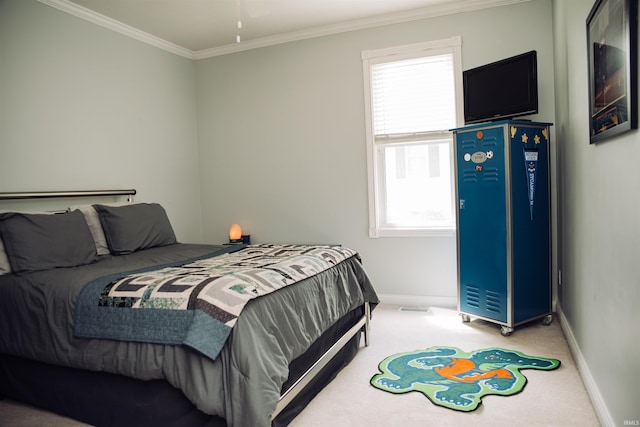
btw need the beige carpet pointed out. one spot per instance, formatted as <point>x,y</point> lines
<point>550,398</point>
<point>553,398</point>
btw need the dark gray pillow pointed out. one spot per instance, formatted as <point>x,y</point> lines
<point>133,227</point>
<point>40,241</point>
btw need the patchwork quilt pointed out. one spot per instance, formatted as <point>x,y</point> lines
<point>196,302</point>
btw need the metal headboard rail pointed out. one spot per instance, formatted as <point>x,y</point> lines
<point>66,194</point>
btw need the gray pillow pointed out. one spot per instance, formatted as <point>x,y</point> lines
<point>133,227</point>
<point>40,242</point>
<point>5,267</point>
<point>91,216</point>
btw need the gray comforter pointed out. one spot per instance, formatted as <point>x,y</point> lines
<point>242,384</point>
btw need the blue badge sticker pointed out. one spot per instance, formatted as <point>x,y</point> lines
<point>531,165</point>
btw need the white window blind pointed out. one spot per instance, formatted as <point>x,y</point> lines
<point>414,96</point>
<point>412,99</point>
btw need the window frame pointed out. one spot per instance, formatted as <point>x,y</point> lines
<point>375,169</point>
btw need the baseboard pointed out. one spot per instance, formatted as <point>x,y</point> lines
<point>418,300</point>
<point>589,382</point>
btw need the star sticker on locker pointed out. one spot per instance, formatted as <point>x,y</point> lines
<point>525,138</point>
<point>545,133</point>
<point>536,139</point>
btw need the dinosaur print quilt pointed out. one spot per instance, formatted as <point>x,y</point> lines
<point>455,379</point>
<point>197,302</point>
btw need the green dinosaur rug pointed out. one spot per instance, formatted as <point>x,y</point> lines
<point>456,379</point>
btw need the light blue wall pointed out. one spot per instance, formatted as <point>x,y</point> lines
<point>272,138</point>
<point>599,233</point>
<point>82,107</point>
<point>282,139</point>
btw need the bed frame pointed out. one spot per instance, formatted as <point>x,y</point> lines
<point>66,194</point>
<point>299,389</point>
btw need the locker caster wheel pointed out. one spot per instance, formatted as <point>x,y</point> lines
<point>546,321</point>
<point>506,331</point>
<point>465,318</point>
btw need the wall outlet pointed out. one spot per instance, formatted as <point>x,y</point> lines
<point>559,277</point>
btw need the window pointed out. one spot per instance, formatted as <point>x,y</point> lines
<point>413,97</point>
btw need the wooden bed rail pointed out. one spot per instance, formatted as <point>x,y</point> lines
<point>65,194</point>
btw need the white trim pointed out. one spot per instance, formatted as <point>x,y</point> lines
<point>376,144</point>
<point>418,232</point>
<point>587,378</point>
<point>413,232</point>
<point>393,18</point>
<point>117,26</point>
<point>411,50</point>
<point>372,177</point>
<point>428,137</point>
<point>419,300</point>
<point>459,86</point>
<point>359,24</point>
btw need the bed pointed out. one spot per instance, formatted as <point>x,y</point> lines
<point>132,327</point>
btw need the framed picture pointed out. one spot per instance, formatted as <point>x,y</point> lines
<point>612,28</point>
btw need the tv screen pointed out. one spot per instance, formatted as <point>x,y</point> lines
<point>501,90</point>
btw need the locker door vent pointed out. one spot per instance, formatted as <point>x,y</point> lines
<point>468,143</point>
<point>472,296</point>
<point>493,302</point>
<point>489,142</point>
<point>469,176</point>
<point>491,175</point>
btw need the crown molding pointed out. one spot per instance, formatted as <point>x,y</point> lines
<point>117,26</point>
<point>360,24</point>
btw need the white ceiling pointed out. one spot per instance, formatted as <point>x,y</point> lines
<point>201,28</point>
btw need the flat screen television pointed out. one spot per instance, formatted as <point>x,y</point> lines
<point>501,90</point>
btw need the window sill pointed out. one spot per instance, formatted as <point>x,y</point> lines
<point>413,232</point>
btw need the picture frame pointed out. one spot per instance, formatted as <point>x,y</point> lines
<point>612,29</point>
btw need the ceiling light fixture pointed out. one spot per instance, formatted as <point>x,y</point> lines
<point>239,22</point>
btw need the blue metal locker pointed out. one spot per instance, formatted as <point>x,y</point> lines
<point>503,222</point>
